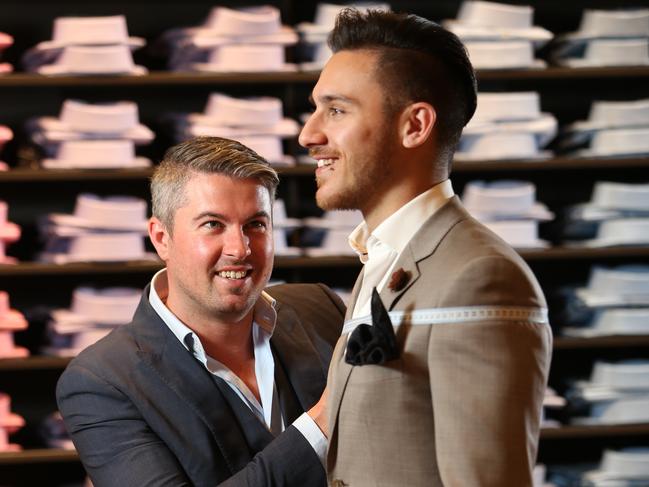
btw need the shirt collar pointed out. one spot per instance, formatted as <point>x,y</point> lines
<point>399,228</point>
<point>264,315</point>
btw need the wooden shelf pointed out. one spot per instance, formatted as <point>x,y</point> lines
<point>34,363</point>
<point>139,267</point>
<point>158,78</point>
<point>618,341</point>
<point>39,175</point>
<point>574,432</point>
<point>556,164</point>
<point>572,253</point>
<point>560,73</point>
<point>38,269</point>
<point>40,455</point>
<point>37,362</point>
<point>167,78</point>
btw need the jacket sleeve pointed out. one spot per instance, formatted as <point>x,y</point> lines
<point>487,382</point>
<point>117,447</point>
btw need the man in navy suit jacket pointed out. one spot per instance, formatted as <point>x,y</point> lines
<point>209,384</point>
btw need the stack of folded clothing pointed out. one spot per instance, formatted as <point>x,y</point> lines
<point>606,38</point>
<point>91,135</point>
<point>313,35</point>
<point>617,214</point>
<point>551,403</point>
<point>54,433</point>
<point>232,40</point>
<point>615,302</point>
<point>507,126</point>
<point>86,46</point>
<point>626,467</point>
<point>539,475</point>
<point>509,209</point>
<point>613,129</point>
<point>283,227</point>
<point>9,233</point>
<point>258,123</point>
<point>11,320</point>
<point>9,424</point>
<point>6,134</point>
<point>5,41</point>
<point>498,35</point>
<point>329,235</point>
<point>108,229</point>
<point>617,393</point>
<point>92,315</point>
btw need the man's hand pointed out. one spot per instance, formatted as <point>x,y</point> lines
<point>319,413</point>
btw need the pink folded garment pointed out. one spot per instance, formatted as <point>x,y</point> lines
<point>5,40</point>
<point>7,347</point>
<point>9,421</point>
<point>9,232</point>
<point>9,424</point>
<point>10,319</point>
<point>5,259</point>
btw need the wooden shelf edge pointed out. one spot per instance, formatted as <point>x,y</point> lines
<point>556,163</point>
<point>573,432</point>
<point>121,174</point>
<point>612,341</point>
<point>283,262</point>
<point>165,78</point>
<point>36,362</point>
<point>40,455</point>
<point>560,163</point>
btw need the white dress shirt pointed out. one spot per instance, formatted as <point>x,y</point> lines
<point>264,318</point>
<point>380,249</point>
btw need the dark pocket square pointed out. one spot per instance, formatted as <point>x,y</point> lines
<point>374,344</point>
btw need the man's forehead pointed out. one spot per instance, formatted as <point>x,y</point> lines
<point>339,80</point>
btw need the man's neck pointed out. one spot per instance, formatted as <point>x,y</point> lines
<point>232,345</point>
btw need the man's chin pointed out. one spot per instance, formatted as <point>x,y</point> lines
<point>331,202</point>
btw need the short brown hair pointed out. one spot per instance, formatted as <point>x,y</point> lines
<point>418,61</point>
<point>204,155</point>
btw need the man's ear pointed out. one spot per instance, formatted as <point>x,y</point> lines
<point>160,237</point>
<point>417,122</point>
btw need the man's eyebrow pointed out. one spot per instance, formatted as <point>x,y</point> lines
<point>219,216</point>
<point>332,98</point>
<point>209,214</point>
<point>260,214</point>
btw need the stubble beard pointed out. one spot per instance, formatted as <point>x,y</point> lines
<point>367,177</point>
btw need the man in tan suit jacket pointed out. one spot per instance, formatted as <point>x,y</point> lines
<point>458,403</point>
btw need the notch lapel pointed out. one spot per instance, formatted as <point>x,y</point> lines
<point>164,357</point>
<point>294,352</point>
<point>421,246</point>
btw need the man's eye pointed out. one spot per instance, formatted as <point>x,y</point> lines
<point>212,225</point>
<point>258,225</point>
<point>336,111</point>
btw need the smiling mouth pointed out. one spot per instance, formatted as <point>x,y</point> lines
<point>325,162</point>
<point>233,275</point>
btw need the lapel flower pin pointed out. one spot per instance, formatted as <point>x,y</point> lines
<point>399,279</point>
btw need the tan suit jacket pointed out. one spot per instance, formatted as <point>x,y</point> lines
<point>461,406</point>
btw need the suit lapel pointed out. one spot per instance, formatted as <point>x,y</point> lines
<point>296,373</point>
<point>162,355</point>
<point>422,245</point>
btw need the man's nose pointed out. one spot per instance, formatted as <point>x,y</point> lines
<point>312,133</point>
<point>236,244</point>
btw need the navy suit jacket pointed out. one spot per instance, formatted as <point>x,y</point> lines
<point>142,411</point>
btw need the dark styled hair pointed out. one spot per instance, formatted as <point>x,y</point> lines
<point>204,155</point>
<point>418,61</point>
